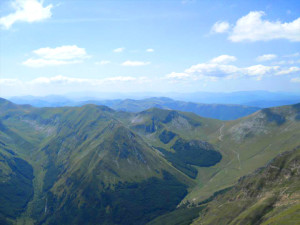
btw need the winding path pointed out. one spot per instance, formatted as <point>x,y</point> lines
<point>235,152</point>
<point>221,133</point>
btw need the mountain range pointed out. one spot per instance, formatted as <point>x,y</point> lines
<point>92,164</point>
<point>216,111</point>
<point>261,99</point>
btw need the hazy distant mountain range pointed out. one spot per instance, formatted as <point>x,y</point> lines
<point>223,106</point>
<point>262,99</point>
<point>217,111</point>
<point>95,165</point>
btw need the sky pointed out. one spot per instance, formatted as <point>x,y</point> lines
<point>73,46</point>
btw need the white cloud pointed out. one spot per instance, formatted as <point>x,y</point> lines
<point>68,54</point>
<point>259,71</point>
<point>37,63</point>
<point>179,76</point>
<point>65,84</point>
<point>26,11</point>
<point>218,68</point>
<point>63,80</point>
<point>220,27</point>
<point>135,63</point>
<point>253,28</point>
<point>292,69</point>
<point>150,50</point>
<point>295,80</point>
<point>103,62</point>
<point>223,59</point>
<point>266,57</point>
<point>119,50</point>
<point>57,80</point>
<point>62,53</point>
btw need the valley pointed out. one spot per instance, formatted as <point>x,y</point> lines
<point>175,112</point>
<point>95,165</point>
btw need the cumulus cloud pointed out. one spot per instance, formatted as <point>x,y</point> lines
<point>150,50</point>
<point>212,70</point>
<point>119,50</point>
<point>253,28</point>
<point>179,76</point>
<point>26,11</point>
<point>259,71</point>
<point>266,57</point>
<point>220,27</point>
<point>223,59</point>
<point>37,63</point>
<point>292,69</point>
<point>218,68</point>
<point>69,54</point>
<point>63,52</point>
<point>135,63</point>
<point>57,80</point>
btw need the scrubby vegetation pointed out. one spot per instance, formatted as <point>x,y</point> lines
<point>126,203</point>
<point>191,153</point>
<point>93,166</point>
<point>274,117</point>
<point>180,216</point>
<point>166,136</point>
<point>16,187</point>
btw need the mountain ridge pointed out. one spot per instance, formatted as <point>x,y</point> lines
<point>91,157</point>
<point>218,111</point>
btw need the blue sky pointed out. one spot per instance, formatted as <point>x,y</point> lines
<point>58,47</point>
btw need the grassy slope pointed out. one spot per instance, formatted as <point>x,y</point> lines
<point>244,143</point>
<point>247,144</point>
<point>72,145</point>
<point>271,195</point>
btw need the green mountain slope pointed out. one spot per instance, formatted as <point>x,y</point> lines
<point>15,183</point>
<point>94,165</point>
<point>89,164</point>
<point>271,195</point>
<point>247,144</point>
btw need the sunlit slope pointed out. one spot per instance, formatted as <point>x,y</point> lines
<point>107,172</point>
<point>247,144</point>
<point>87,162</point>
<point>181,137</point>
<point>103,165</point>
<point>271,195</point>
